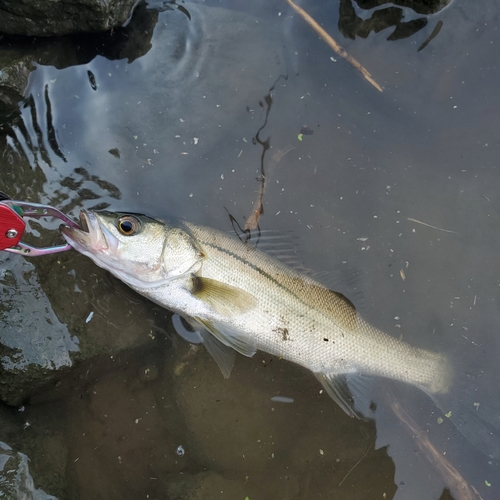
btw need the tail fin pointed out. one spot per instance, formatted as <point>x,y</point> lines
<point>467,400</point>
<point>475,414</point>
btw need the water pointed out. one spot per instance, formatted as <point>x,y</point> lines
<point>178,116</point>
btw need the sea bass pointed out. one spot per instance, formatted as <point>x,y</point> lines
<point>241,299</point>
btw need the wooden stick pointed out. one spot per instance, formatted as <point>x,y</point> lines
<point>459,487</point>
<point>334,45</point>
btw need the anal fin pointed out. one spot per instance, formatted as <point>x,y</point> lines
<point>349,391</point>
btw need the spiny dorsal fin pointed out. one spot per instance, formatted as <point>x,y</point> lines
<point>225,299</point>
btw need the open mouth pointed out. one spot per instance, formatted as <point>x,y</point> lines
<point>84,221</point>
<point>83,237</point>
<point>92,236</point>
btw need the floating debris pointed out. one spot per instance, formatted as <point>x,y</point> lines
<point>431,226</point>
<point>282,399</point>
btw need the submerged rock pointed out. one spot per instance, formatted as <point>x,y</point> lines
<point>44,334</point>
<point>14,73</point>
<point>62,17</point>
<point>15,478</point>
<point>33,343</point>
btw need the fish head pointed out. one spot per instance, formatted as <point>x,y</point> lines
<point>141,251</point>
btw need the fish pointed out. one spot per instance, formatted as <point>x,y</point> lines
<point>241,299</point>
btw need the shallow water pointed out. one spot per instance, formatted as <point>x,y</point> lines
<point>179,117</point>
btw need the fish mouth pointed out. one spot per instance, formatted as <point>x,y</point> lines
<point>89,237</point>
<point>84,217</point>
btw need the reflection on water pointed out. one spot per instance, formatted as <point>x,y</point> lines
<point>27,135</point>
<point>172,114</point>
<point>353,22</point>
<point>32,150</point>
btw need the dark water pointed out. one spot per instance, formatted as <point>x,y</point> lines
<point>178,115</point>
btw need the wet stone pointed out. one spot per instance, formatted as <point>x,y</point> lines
<point>15,478</point>
<point>60,17</point>
<point>14,73</point>
<point>33,342</point>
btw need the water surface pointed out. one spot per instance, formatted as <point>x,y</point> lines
<point>180,117</point>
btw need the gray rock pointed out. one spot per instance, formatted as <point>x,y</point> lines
<point>14,73</point>
<point>62,17</point>
<point>33,343</point>
<point>15,477</point>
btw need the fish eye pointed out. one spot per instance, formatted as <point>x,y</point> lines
<point>128,225</point>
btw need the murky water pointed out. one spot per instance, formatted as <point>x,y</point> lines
<point>178,115</point>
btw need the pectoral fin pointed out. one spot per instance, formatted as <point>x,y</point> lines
<point>348,391</point>
<point>227,300</point>
<point>222,354</point>
<point>229,336</point>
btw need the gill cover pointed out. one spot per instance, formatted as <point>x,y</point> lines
<point>163,249</point>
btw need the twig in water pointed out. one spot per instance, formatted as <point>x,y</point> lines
<point>459,487</point>
<point>429,225</point>
<point>357,463</point>
<point>253,219</point>
<point>334,45</point>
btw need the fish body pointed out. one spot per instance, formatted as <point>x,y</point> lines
<point>296,318</point>
<point>247,301</point>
